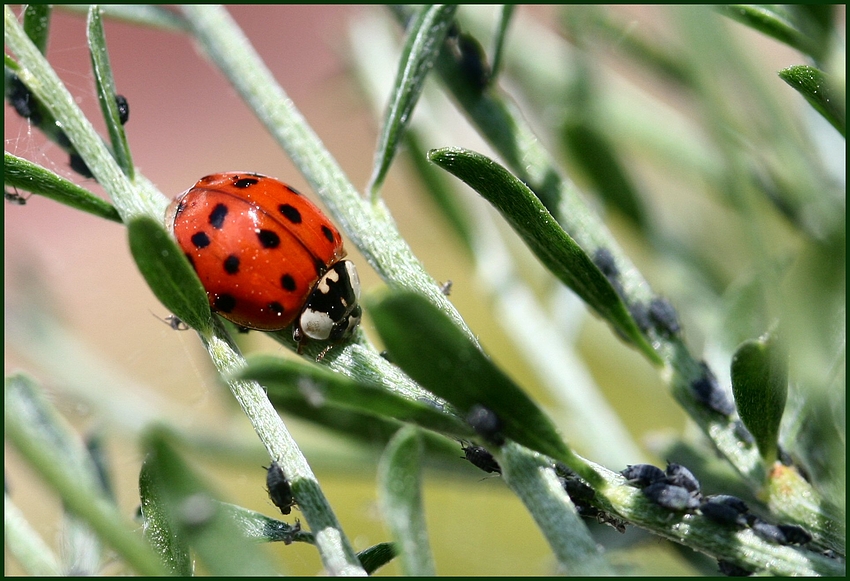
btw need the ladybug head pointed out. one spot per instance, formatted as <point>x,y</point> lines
<point>332,311</point>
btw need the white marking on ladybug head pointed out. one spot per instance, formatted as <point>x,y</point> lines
<point>323,286</point>
<point>354,278</point>
<point>316,325</point>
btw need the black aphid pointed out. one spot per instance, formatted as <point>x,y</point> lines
<point>725,509</point>
<point>480,458</point>
<point>279,489</point>
<point>671,497</point>
<point>642,475</point>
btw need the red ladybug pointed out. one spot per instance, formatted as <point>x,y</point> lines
<point>267,256</point>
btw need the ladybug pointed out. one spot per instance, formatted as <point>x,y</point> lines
<point>267,256</point>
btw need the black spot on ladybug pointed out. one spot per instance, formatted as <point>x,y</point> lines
<point>329,234</point>
<point>243,183</point>
<point>123,109</point>
<point>486,424</point>
<point>480,458</point>
<point>320,267</point>
<point>671,497</point>
<point>217,216</point>
<point>279,489</point>
<point>291,213</point>
<point>731,569</point>
<point>200,240</point>
<point>231,264</point>
<point>288,283</point>
<point>642,475</point>
<point>662,313</point>
<point>79,166</point>
<point>224,303</point>
<point>268,239</point>
<point>708,392</point>
<point>276,307</point>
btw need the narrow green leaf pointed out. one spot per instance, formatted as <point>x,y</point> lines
<point>43,438</point>
<point>106,92</point>
<point>760,387</point>
<point>37,24</point>
<point>321,385</point>
<point>433,351</point>
<point>259,527</point>
<point>377,556</point>
<point>25,175</point>
<point>400,496</point>
<point>505,16</point>
<point>168,273</point>
<point>550,243</point>
<point>159,527</point>
<point>195,516</point>
<point>424,41</point>
<point>774,22</point>
<point>535,483</point>
<point>820,91</point>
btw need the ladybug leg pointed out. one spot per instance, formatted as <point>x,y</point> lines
<point>299,337</point>
<point>323,352</point>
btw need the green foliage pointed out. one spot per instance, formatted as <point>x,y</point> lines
<point>752,232</point>
<point>169,273</point>
<point>760,385</point>
<point>817,88</point>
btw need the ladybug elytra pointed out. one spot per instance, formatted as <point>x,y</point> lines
<point>267,257</point>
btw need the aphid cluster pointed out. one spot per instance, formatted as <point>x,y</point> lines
<point>678,490</point>
<point>27,106</point>
<point>659,314</point>
<point>675,488</point>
